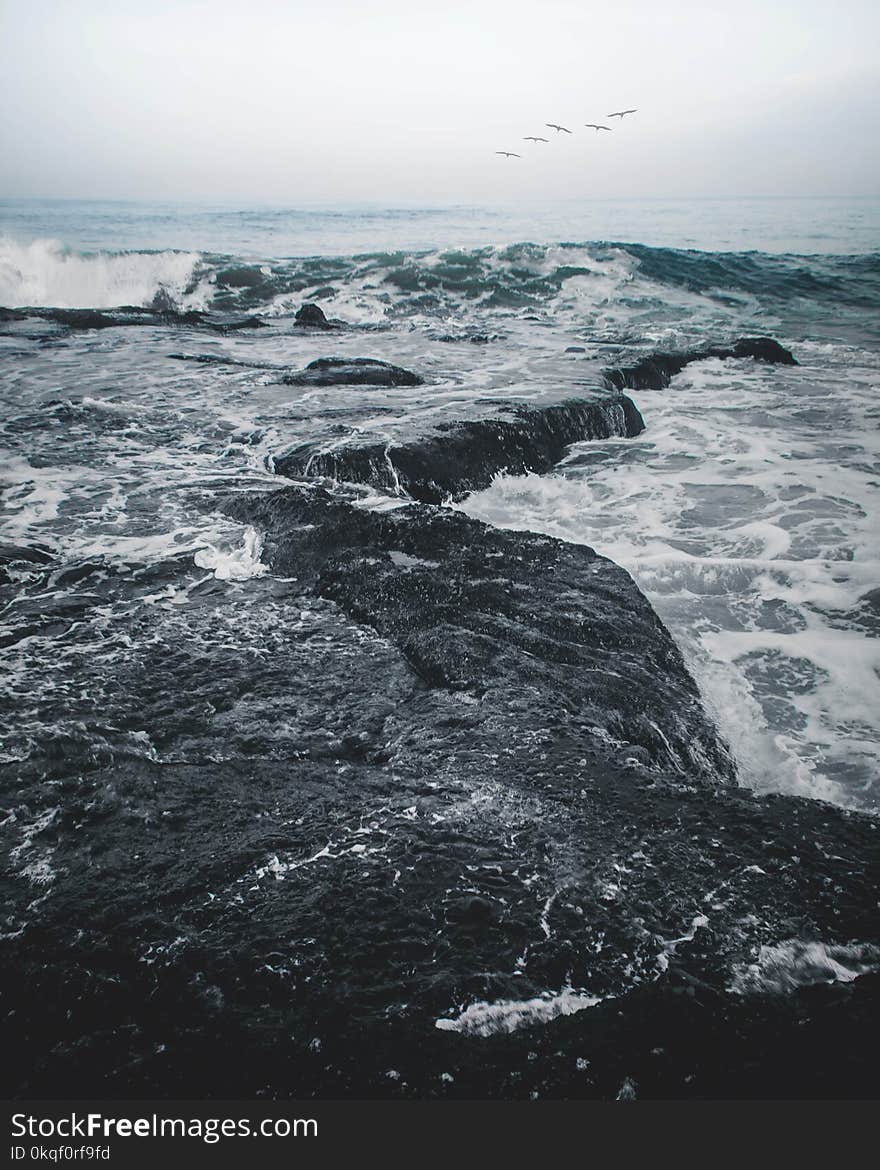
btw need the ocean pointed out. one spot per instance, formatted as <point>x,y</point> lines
<point>307,792</point>
<point>746,511</point>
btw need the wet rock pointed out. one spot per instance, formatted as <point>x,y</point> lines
<point>871,600</point>
<point>458,598</point>
<point>351,372</point>
<point>464,456</point>
<point>130,316</point>
<point>186,929</point>
<point>656,371</point>
<point>312,317</point>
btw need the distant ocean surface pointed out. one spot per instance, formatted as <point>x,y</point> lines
<point>747,511</point>
<point>778,225</point>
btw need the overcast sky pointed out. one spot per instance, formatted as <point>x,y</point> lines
<point>299,101</point>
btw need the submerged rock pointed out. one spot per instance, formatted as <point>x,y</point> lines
<point>128,315</point>
<point>656,371</point>
<point>351,372</point>
<point>463,456</point>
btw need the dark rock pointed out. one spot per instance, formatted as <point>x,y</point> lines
<point>461,457</point>
<point>312,317</point>
<point>297,924</point>
<point>762,349</point>
<point>128,316</point>
<point>459,598</point>
<point>351,372</point>
<point>98,319</point>
<point>871,600</point>
<point>575,349</point>
<point>11,314</point>
<point>228,324</point>
<point>657,370</point>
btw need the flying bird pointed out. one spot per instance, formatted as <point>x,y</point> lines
<point>621,113</point>
<point>553,126</point>
<point>531,138</point>
<point>508,154</point>
<point>593,126</point>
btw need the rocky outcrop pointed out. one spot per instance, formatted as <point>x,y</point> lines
<point>351,372</point>
<point>322,372</point>
<point>460,600</point>
<point>463,456</point>
<point>312,317</point>
<point>476,838</point>
<point>127,316</point>
<point>657,370</point>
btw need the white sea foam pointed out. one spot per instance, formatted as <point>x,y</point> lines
<point>785,966</point>
<point>237,564</point>
<point>508,1015</point>
<point>45,273</point>
<point>747,513</point>
<point>32,496</point>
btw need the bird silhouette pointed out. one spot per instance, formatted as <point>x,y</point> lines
<point>594,126</point>
<point>532,138</point>
<point>553,126</point>
<point>621,114</point>
<point>508,153</point>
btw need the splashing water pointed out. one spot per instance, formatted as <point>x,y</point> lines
<point>45,273</point>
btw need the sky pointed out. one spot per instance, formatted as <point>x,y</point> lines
<point>407,102</point>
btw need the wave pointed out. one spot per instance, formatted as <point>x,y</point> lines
<point>45,273</point>
<point>619,291</point>
<point>579,279</point>
<point>852,280</point>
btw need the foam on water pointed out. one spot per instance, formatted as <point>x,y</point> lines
<point>747,513</point>
<point>508,1015</point>
<point>236,564</point>
<point>785,966</point>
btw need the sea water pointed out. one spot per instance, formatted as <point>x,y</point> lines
<point>746,511</point>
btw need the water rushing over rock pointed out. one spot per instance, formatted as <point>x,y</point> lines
<point>656,370</point>
<point>461,457</point>
<point>323,787</point>
<point>502,827</point>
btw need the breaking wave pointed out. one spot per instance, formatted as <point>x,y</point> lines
<point>44,273</point>
<point>607,283</point>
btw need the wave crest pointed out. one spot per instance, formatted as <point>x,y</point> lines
<point>44,273</point>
